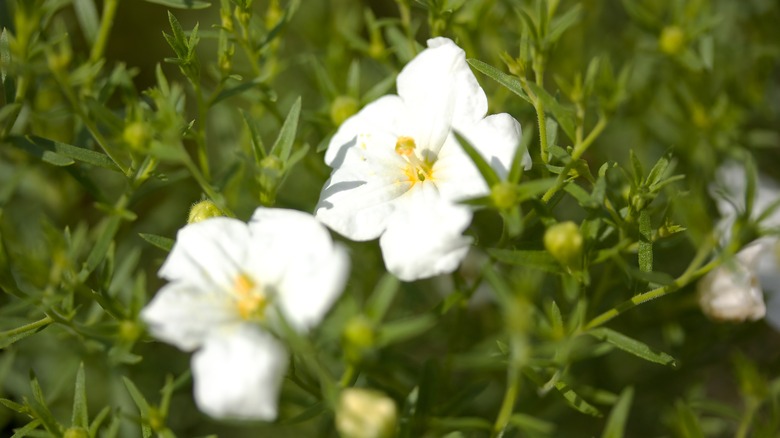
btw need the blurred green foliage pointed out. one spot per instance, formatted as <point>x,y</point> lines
<point>117,116</point>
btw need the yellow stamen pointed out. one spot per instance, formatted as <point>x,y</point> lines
<point>405,146</point>
<point>250,301</point>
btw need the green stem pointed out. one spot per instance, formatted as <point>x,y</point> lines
<point>27,327</point>
<point>676,285</point>
<point>205,186</point>
<point>200,139</point>
<point>513,386</point>
<point>579,149</point>
<point>747,418</point>
<point>106,22</point>
<point>347,379</point>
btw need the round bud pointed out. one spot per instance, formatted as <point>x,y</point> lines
<point>564,242</point>
<point>75,432</point>
<point>136,134</point>
<point>359,337</point>
<point>504,195</point>
<point>203,210</point>
<point>364,413</point>
<point>672,40</point>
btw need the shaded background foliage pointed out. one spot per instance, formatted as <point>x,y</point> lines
<point>701,83</point>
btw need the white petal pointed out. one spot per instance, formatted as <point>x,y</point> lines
<point>497,138</point>
<point>731,292</point>
<point>358,198</point>
<point>456,175</point>
<point>384,115</point>
<point>208,253</point>
<point>183,314</point>
<point>439,90</point>
<point>424,238</point>
<point>297,254</point>
<point>238,374</point>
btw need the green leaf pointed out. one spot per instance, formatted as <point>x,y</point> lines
<point>283,145</point>
<point>578,193</point>
<point>99,251</point>
<point>563,115</point>
<point>353,79</point>
<point>311,412</point>
<point>10,110</point>
<point>632,346</point>
<point>382,297</point>
<point>510,82</point>
<point>69,152</point>
<point>616,422</point>
<point>516,171</point>
<point>41,153</point>
<point>80,417</point>
<point>141,403</point>
<point>257,142</point>
<point>40,407</point>
<point>487,172</point>
<point>531,424</point>
<point>541,260</point>
<point>571,397</point>
<point>26,429</point>
<point>87,15</point>
<point>237,89</point>
<point>401,330</point>
<point>182,4</point>
<point>562,23</point>
<point>98,421</point>
<point>530,189</point>
<point>457,423</point>
<point>161,242</point>
<point>645,242</point>
<point>11,336</point>
<point>687,423</point>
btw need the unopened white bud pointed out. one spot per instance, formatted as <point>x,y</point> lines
<point>364,413</point>
<point>732,292</point>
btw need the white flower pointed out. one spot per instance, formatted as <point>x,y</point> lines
<point>398,170</point>
<point>229,280</point>
<point>734,291</point>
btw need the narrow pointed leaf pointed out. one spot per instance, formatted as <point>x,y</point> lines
<point>618,417</point>
<point>487,172</point>
<point>182,4</point>
<point>161,242</point>
<point>80,417</point>
<point>382,297</point>
<point>404,329</point>
<point>508,81</point>
<point>632,346</point>
<point>87,15</point>
<point>529,258</point>
<point>283,145</point>
<point>66,151</point>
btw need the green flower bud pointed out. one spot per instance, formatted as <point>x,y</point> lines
<point>203,210</point>
<point>129,331</point>
<point>342,108</point>
<point>136,135</point>
<point>359,337</point>
<point>364,413</point>
<point>672,40</point>
<point>75,432</point>
<point>504,195</point>
<point>564,242</point>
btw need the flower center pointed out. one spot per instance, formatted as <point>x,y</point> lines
<point>250,299</point>
<point>416,170</point>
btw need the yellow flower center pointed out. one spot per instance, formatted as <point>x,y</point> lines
<point>250,299</point>
<point>416,170</point>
